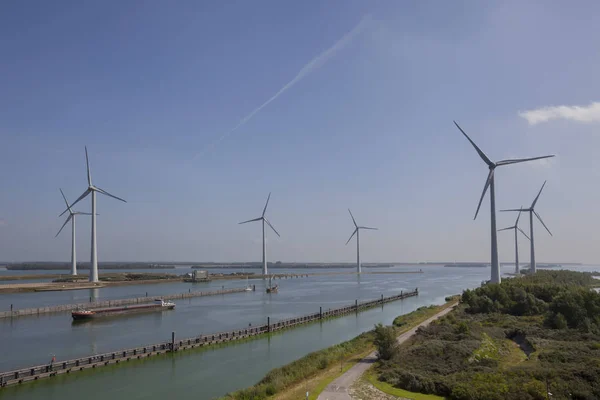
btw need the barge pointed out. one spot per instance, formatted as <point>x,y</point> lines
<point>92,313</point>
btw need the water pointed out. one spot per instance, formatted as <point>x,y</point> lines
<point>207,374</point>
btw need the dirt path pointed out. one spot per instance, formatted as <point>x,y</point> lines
<point>339,388</point>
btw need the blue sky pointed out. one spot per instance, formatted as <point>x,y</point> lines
<point>154,89</point>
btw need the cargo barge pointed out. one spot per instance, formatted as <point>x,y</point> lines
<point>93,313</point>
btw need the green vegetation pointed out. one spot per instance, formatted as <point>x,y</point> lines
<point>303,368</point>
<point>385,387</point>
<point>407,321</point>
<point>385,341</point>
<point>514,340</point>
<point>322,367</point>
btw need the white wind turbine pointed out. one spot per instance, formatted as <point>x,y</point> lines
<point>495,278</point>
<point>264,243</point>
<point>357,233</point>
<point>531,211</point>
<point>93,189</point>
<point>71,218</point>
<point>516,228</point>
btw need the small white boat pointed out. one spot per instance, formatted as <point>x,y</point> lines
<point>248,287</point>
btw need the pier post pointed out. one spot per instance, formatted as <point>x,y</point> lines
<point>321,312</point>
<point>146,294</point>
<point>382,298</point>
<point>356,305</point>
<point>173,341</point>
<point>90,299</point>
<point>11,309</point>
<point>268,324</point>
<point>254,288</point>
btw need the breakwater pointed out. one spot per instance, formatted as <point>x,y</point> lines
<point>174,345</point>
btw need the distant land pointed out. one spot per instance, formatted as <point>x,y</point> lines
<point>48,265</point>
<point>467,265</point>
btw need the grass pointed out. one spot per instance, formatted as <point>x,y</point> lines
<point>371,377</point>
<point>315,385</point>
<point>408,321</point>
<point>487,350</point>
<point>315,371</point>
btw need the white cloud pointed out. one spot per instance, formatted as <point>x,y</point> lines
<point>586,114</point>
<point>307,69</point>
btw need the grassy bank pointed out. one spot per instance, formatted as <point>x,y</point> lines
<point>315,371</point>
<point>304,368</point>
<point>514,340</point>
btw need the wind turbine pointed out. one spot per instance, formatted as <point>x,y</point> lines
<point>356,232</point>
<point>531,210</point>
<point>92,189</point>
<point>264,243</point>
<point>516,228</point>
<point>71,218</point>
<point>495,278</point>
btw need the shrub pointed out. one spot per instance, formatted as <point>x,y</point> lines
<point>385,341</point>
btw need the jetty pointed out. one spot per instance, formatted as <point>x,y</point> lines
<point>55,368</point>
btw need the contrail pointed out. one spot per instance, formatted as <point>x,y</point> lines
<point>311,66</point>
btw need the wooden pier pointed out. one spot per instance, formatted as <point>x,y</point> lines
<point>95,361</point>
<point>112,303</point>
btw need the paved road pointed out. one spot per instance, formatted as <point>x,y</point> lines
<point>338,389</point>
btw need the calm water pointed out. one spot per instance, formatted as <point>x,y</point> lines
<point>207,374</point>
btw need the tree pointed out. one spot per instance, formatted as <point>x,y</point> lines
<point>385,341</point>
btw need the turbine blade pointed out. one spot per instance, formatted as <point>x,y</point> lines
<point>366,227</point>
<point>518,216</point>
<point>520,160</point>
<point>104,192</point>
<point>87,164</point>
<point>353,220</point>
<point>268,223</point>
<point>481,153</point>
<point>516,209</point>
<point>485,188</point>
<point>351,236</point>
<point>266,204</point>
<point>540,218</point>
<point>66,202</point>
<point>66,221</point>
<point>88,191</point>
<point>538,196</point>
<point>521,230</point>
<point>251,220</point>
<point>505,229</point>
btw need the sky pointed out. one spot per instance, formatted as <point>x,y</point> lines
<point>194,111</point>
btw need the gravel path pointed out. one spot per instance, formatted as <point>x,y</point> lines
<point>340,388</point>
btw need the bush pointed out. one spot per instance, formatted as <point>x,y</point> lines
<point>385,341</point>
<point>553,321</point>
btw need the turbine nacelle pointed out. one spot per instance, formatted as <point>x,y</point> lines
<point>356,227</point>
<point>262,217</point>
<point>531,209</point>
<point>91,188</point>
<point>492,166</point>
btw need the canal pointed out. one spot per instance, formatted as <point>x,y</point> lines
<point>209,373</point>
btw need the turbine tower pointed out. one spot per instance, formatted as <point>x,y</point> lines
<point>531,210</point>
<point>264,243</point>
<point>71,218</point>
<point>93,189</point>
<point>516,228</point>
<point>495,278</point>
<point>356,232</point>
